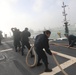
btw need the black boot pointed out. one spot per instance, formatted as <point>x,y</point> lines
<point>16,49</point>
<point>39,64</point>
<point>22,53</point>
<point>48,70</point>
<point>31,54</point>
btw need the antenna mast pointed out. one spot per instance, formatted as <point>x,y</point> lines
<point>65,19</point>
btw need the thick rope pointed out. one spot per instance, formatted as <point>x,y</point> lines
<point>59,65</point>
<point>35,61</point>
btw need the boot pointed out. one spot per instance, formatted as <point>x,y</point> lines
<point>48,70</point>
<point>39,64</point>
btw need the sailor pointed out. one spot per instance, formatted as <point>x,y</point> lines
<point>25,40</point>
<point>71,39</point>
<point>41,42</point>
<point>17,38</point>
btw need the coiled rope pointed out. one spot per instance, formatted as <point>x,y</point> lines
<point>35,60</point>
<point>35,57</point>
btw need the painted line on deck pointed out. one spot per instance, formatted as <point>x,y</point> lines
<point>2,58</point>
<point>62,45</point>
<point>64,65</point>
<point>64,55</point>
<point>5,50</point>
<point>8,41</point>
<point>56,69</point>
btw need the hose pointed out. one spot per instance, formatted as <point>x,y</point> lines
<point>35,61</point>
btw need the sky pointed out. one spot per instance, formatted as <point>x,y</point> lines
<point>35,14</point>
